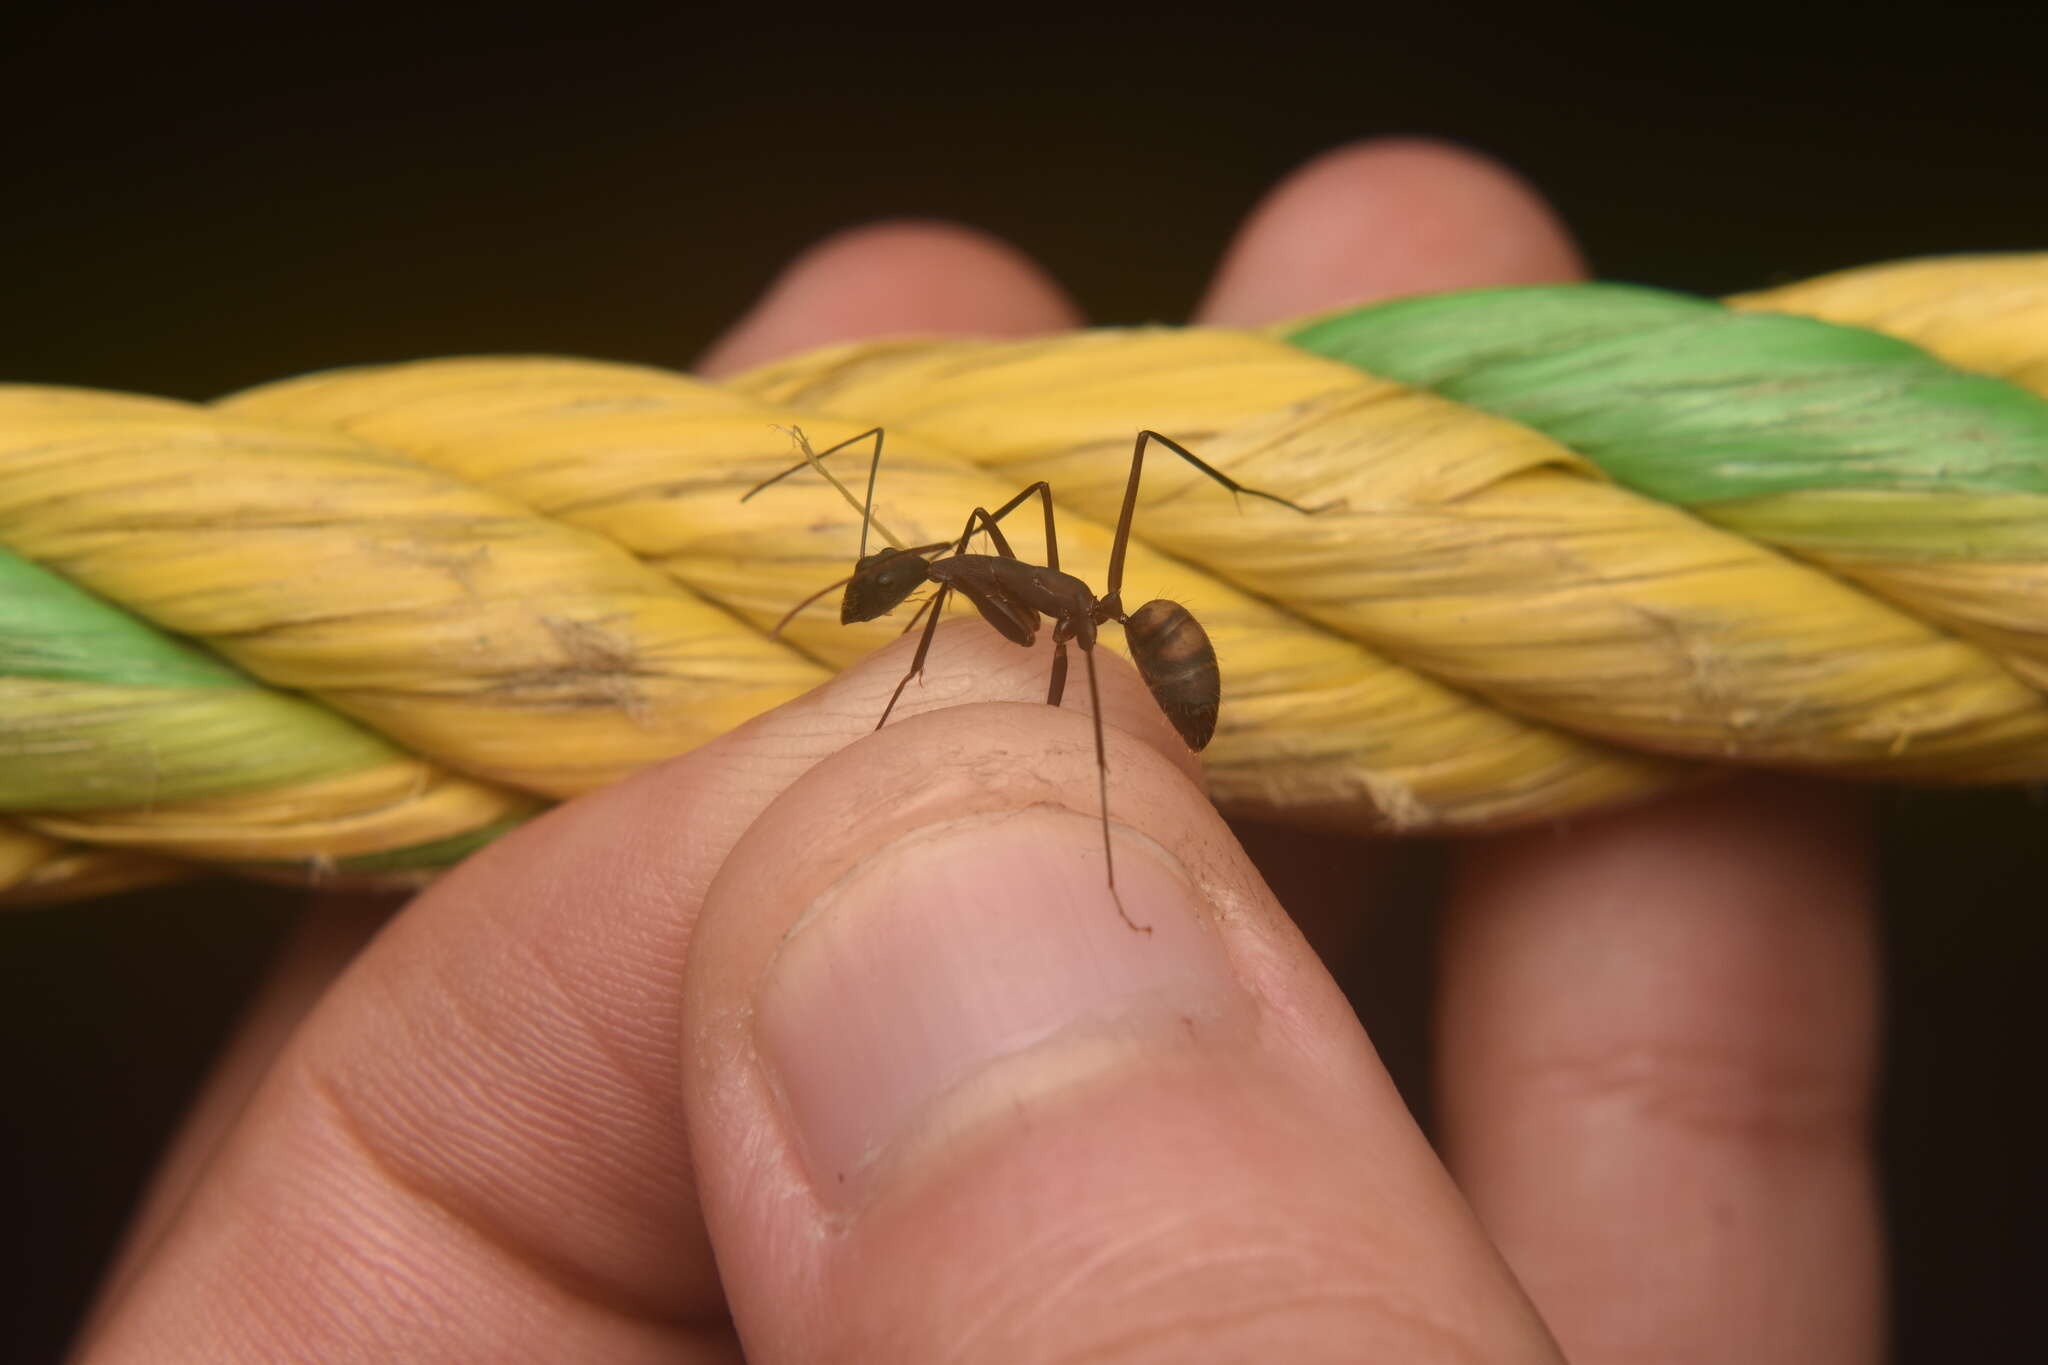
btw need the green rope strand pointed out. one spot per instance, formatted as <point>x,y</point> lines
<point>1693,404</point>
<point>145,719</point>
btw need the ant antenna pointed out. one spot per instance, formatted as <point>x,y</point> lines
<point>867,511</point>
<point>816,461</point>
<point>798,609</point>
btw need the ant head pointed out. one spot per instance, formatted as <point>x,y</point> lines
<point>879,584</point>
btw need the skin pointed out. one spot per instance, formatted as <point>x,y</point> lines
<point>715,1061</point>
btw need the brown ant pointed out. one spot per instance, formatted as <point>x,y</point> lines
<point>1168,645</point>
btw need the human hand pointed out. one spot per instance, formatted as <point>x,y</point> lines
<point>591,1098</point>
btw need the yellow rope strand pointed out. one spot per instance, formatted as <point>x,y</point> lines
<point>657,462</point>
<point>536,574</point>
<point>35,870</point>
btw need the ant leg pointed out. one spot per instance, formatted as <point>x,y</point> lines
<point>867,516</point>
<point>868,520</point>
<point>1212,471</point>
<point>988,520</point>
<point>916,616</point>
<point>1123,521</point>
<point>1112,600</point>
<point>1052,540</point>
<point>1102,795</point>
<point>924,647</point>
<point>988,524</point>
<point>1043,492</point>
<point>925,605</point>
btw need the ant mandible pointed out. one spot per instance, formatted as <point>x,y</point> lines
<point>1171,650</point>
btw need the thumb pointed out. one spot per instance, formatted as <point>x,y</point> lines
<point>945,1103</point>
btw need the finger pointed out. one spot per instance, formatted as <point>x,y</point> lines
<point>1657,1049</point>
<point>893,277</point>
<point>946,1103</point>
<point>1405,217</point>
<point>890,279</point>
<point>1394,216</point>
<point>474,1148</point>
<point>942,279</point>
<point>1365,221</point>
<point>334,930</point>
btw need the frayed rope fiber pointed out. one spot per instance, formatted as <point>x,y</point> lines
<point>1579,543</point>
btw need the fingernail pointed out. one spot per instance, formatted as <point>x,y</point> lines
<point>962,946</point>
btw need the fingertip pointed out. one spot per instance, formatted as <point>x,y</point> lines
<point>892,278</point>
<point>936,896</point>
<point>929,1069</point>
<point>1703,1087</point>
<point>1385,217</point>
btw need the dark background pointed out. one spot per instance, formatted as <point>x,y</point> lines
<point>197,198</point>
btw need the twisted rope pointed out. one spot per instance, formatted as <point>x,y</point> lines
<point>1584,540</point>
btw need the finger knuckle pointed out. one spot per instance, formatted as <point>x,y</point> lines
<point>1176,1289</point>
<point>1744,1092</point>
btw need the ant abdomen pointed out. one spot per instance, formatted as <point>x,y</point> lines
<point>1174,656</point>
